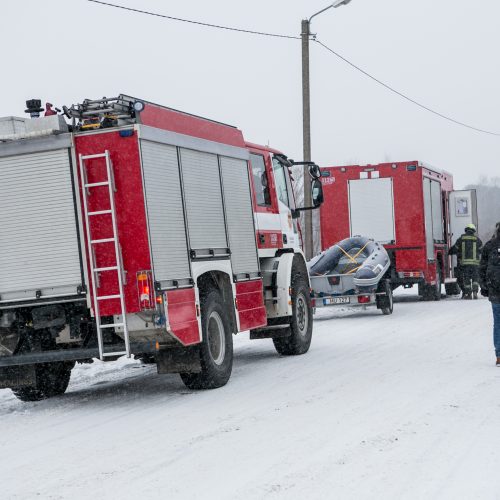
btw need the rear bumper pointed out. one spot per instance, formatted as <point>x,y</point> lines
<point>344,300</point>
<point>71,354</point>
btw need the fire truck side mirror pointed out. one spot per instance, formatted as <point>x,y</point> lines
<point>314,171</point>
<point>317,193</point>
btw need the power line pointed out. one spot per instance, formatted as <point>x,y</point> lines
<point>199,23</point>
<point>400,94</point>
<point>278,35</point>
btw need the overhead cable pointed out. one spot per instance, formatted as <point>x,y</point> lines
<point>314,39</point>
<point>200,23</point>
<point>400,94</point>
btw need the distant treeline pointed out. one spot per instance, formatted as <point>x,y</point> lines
<point>488,205</point>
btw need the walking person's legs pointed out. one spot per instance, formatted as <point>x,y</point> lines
<point>496,330</point>
<point>475,280</point>
<point>467,276</point>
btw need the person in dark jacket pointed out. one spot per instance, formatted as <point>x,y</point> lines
<point>468,250</point>
<point>489,275</point>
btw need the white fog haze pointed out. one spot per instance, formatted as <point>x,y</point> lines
<point>188,314</point>
<point>440,53</point>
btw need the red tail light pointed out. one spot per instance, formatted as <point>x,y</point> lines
<point>145,290</point>
<point>363,299</point>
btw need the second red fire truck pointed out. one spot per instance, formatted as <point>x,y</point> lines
<point>410,207</point>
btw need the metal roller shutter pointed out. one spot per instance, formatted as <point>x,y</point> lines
<point>371,204</point>
<point>239,215</point>
<point>165,211</point>
<point>428,219</point>
<point>203,198</point>
<point>437,212</point>
<point>38,230</point>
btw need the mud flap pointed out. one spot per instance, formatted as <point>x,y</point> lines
<point>178,360</point>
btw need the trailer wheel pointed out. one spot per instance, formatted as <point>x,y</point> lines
<point>386,302</point>
<point>299,340</point>
<point>51,379</point>
<point>216,350</point>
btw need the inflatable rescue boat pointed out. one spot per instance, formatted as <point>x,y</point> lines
<point>362,258</point>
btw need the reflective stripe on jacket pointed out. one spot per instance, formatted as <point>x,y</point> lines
<point>469,251</point>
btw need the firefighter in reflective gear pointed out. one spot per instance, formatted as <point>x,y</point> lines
<point>468,251</point>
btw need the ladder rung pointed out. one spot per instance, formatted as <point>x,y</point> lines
<point>110,268</point>
<point>112,325</point>
<point>89,157</point>
<point>106,297</point>
<point>96,184</point>
<point>117,353</point>
<point>102,240</point>
<point>100,212</point>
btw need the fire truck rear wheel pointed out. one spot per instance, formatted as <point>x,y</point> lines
<point>51,379</point>
<point>299,340</point>
<point>216,350</point>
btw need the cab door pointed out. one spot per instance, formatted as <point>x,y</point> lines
<point>265,203</point>
<point>286,203</point>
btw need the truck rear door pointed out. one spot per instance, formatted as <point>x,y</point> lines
<point>463,211</point>
<point>39,244</point>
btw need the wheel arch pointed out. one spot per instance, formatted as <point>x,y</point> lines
<point>220,281</point>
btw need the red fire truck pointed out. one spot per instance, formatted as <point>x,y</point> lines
<point>410,207</point>
<point>138,229</point>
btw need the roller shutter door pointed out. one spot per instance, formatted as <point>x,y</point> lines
<point>371,206</point>
<point>203,198</point>
<point>437,212</point>
<point>239,215</point>
<point>165,212</point>
<point>38,230</point>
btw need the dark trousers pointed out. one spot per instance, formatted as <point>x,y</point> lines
<point>469,281</point>
<point>496,327</point>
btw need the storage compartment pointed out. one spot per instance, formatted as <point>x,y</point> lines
<point>39,254</point>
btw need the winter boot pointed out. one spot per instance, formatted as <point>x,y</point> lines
<point>498,362</point>
<point>474,294</point>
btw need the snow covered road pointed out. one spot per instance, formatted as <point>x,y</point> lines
<point>406,406</point>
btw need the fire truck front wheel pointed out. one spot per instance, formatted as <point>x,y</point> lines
<point>216,350</point>
<point>299,340</point>
<point>51,379</point>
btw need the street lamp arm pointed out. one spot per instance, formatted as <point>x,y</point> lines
<point>335,4</point>
<point>320,12</point>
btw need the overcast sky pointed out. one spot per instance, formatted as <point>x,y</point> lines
<point>443,53</point>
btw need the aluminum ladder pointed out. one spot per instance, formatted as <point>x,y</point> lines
<point>93,245</point>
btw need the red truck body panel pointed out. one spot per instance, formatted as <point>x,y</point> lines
<point>132,220</point>
<point>130,214</point>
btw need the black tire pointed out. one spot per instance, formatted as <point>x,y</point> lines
<point>386,302</point>
<point>216,350</point>
<point>433,292</point>
<point>299,340</point>
<point>452,289</point>
<point>51,379</point>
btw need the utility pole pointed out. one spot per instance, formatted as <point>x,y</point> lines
<point>306,138</point>
<point>306,125</point>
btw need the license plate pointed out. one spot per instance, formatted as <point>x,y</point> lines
<point>337,300</point>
